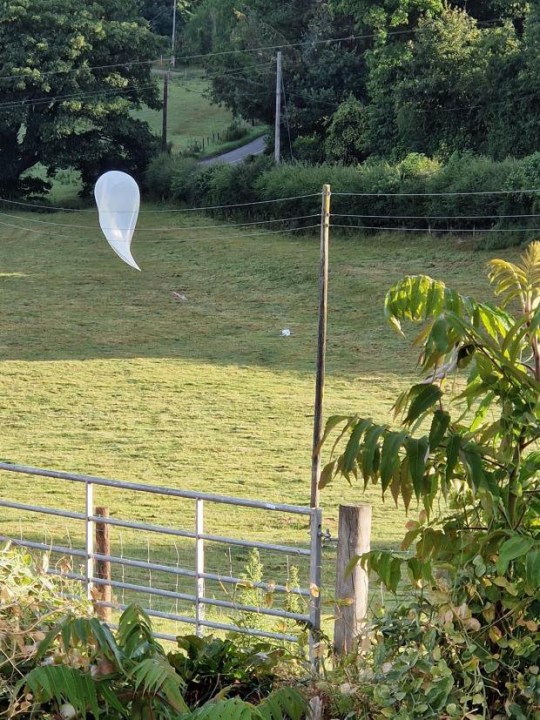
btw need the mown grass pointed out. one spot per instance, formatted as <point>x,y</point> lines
<point>104,372</point>
<point>192,119</point>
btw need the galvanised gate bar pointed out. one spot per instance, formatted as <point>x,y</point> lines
<point>197,574</point>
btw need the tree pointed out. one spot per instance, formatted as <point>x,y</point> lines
<point>317,75</point>
<point>159,14</point>
<point>346,134</point>
<point>468,452</point>
<point>69,77</point>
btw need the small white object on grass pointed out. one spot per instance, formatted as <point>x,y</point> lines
<point>67,711</point>
<point>179,296</point>
<point>286,332</point>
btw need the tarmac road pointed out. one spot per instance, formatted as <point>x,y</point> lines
<point>255,147</point>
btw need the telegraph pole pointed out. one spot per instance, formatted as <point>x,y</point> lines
<point>321,348</point>
<point>165,104</point>
<point>166,80</point>
<point>277,131</point>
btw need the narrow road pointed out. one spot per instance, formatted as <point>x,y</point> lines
<point>255,147</point>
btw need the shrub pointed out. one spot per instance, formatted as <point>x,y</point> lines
<point>183,175</point>
<point>234,131</point>
<point>346,136</point>
<point>309,149</point>
<point>31,603</point>
<point>162,170</point>
<point>468,642</point>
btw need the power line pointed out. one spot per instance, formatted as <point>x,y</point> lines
<point>438,217</point>
<point>81,95</point>
<point>321,41</point>
<point>107,90</point>
<point>438,194</point>
<point>173,210</point>
<point>164,228</point>
<point>468,231</point>
<point>126,64</point>
<point>213,239</point>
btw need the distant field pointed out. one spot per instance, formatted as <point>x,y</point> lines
<point>192,117</point>
<point>104,372</point>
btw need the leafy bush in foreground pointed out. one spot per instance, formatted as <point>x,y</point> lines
<point>467,644</point>
<point>31,603</point>
<point>84,670</point>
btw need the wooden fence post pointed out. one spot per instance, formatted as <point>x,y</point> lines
<point>103,592</point>
<point>354,534</point>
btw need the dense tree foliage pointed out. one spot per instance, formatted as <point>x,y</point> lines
<point>159,14</point>
<point>69,77</point>
<point>432,76</point>
<point>318,76</point>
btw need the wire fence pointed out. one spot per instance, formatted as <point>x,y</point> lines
<point>183,576</point>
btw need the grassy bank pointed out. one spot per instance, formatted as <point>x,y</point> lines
<point>193,120</point>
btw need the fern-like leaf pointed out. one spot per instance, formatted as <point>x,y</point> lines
<point>231,709</point>
<point>135,633</point>
<point>64,685</point>
<point>419,298</point>
<point>519,281</point>
<point>156,676</point>
<point>284,703</point>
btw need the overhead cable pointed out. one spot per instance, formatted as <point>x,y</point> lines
<point>172,210</point>
<point>164,228</point>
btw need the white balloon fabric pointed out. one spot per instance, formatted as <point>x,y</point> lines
<point>118,198</point>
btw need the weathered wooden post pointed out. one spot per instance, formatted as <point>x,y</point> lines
<point>103,592</point>
<point>354,534</point>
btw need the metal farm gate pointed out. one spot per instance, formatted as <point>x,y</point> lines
<point>199,594</point>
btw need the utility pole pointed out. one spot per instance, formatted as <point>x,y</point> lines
<point>166,79</point>
<point>165,104</point>
<point>277,131</point>
<point>321,348</point>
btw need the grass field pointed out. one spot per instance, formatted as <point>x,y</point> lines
<point>104,372</point>
<point>192,118</point>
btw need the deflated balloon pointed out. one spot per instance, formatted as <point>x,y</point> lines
<point>118,199</point>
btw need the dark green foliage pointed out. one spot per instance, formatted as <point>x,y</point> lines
<point>68,86</point>
<point>309,149</point>
<point>472,624</point>
<point>211,666</point>
<point>346,135</point>
<point>159,14</point>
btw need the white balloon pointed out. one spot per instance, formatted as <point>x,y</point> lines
<point>118,198</point>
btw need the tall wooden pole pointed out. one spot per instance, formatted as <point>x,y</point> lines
<point>277,122</point>
<point>165,104</point>
<point>166,80</point>
<point>321,347</point>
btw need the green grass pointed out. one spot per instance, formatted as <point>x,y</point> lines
<point>192,117</point>
<point>103,372</point>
